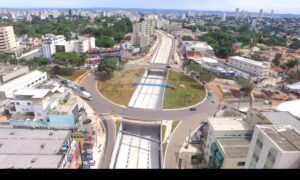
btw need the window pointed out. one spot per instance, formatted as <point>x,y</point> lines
<point>28,103</point>
<point>17,103</point>
<point>241,163</point>
<point>259,143</point>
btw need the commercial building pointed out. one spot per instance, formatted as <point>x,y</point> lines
<point>28,80</point>
<point>9,72</point>
<point>33,149</point>
<point>7,39</point>
<point>274,147</point>
<point>197,46</point>
<point>259,69</point>
<point>48,106</point>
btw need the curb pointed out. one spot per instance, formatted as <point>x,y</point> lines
<point>169,142</point>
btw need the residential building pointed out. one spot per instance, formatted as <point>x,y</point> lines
<point>223,18</point>
<point>10,72</point>
<point>174,26</point>
<point>260,14</point>
<point>7,39</point>
<point>34,149</point>
<point>84,44</point>
<point>48,106</point>
<point>31,79</point>
<point>140,40</point>
<point>259,69</point>
<point>237,14</point>
<point>145,27</point>
<point>274,147</point>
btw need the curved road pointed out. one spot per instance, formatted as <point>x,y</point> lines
<point>190,120</point>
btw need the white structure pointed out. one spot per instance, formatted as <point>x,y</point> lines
<point>84,44</point>
<point>260,14</point>
<point>274,147</point>
<point>295,87</point>
<point>7,39</point>
<point>9,72</point>
<point>227,142</point>
<point>260,69</point>
<point>237,14</point>
<point>28,80</point>
<point>174,26</point>
<point>197,46</point>
<point>53,43</point>
<point>291,107</point>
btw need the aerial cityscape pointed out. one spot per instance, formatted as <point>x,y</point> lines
<point>142,84</point>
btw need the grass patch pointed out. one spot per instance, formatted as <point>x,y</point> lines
<point>188,91</point>
<point>119,88</point>
<point>174,124</point>
<point>75,75</point>
<point>163,131</point>
<point>117,123</point>
<point>164,148</point>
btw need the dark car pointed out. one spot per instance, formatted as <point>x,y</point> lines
<point>193,109</point>
<point>64,82</point>
<point>82,88</point>
<point>81,109</point>
<point>168,67</point>
<point>87,121</point>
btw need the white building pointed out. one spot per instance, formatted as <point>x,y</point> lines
<point>223,18</point>
<point>237,14</point>
<point>197,46</point>
<point>174,26</point>
<point>28,80</point>
<point>260,69</point>
<point>274,147</point>
<point>84,44</point>
<point>52,44</point>
<point>145,27</point>
<point>260,14</point>
<point>227,142</point>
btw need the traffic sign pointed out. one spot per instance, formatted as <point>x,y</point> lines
<point>78,136</point>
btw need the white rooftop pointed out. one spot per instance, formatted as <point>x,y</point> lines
<point>21,80</point>
<point>295,86</point>
<point>229,124</point>
<point>35,93</point>
<point>249,61</point>
<point>209,60</point>
<point>292,107</point>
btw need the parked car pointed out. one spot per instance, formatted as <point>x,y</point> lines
<point>82,109</point>
<point>168,67</point>
<point>212,101</point>
<point>82,88</point>
<point>64,82</point>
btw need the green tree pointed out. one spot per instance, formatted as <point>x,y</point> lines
<point>291,64</point>
<point>108,66</point>
<point>66,59</point>
<point>105,41</point>
<point>295,44</point>
<point>246,85</point>
<point>187,38</point>
<point>276,60</point>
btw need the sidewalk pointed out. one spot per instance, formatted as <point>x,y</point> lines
<point>100,132</point>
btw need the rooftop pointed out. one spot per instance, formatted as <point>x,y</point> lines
<point>33,93</point>
<point>237,148</point>
<point>229,124</point>
<point>286,137</point>
<point>20,80</point>
<point>4,68</point>
<point>65,107</point>
<point>291,107</point>
<point>249,61</point>
<point>282,118</point>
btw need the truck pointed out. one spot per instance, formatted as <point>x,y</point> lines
<point>86,95</point>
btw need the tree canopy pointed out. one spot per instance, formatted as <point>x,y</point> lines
<point>246,85</point>
<point>65,58</point>
<point>108,66</point>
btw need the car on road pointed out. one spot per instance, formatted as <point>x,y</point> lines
<point>168,67</point>
<point>212,101</point>
<point>64,82</point>
<point>193,109</point>
<point>82,109</point>
<point>209,93</point>
<point>82,88</point>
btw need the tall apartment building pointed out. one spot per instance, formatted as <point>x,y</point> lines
<point>260,69</point>
<point>175,26</point>
<point>144,27</point>
<point>140,40</point>
<point>84,44</point>
<point>260,14</point>
<point>274,147</point>
<point>7,39</point>
<point>223,18</point>
<point>237,14</point>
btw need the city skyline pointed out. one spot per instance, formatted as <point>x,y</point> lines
<point>215,5</point>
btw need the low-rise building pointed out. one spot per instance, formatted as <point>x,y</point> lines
<point>52,44</point>
<point>259,69</point>
<point>140,40</point>
<point>274,147</point>
<point>10,72</point>
<point>27,80</point>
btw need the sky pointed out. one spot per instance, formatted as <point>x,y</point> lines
<point>279,6</point>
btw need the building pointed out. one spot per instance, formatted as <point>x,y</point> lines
<point>196,46</point>
<point>10,72</point>
<point>31,79</point>
<point>140,40</point>
<point>274,147</point>
<point>223,18</point>
<point>7,39</point>
<point>291,107</point>
<point>237,14</point>
<point>227,142</point>
<point>52,44</point>
<point>92,61</point>
<point>145,27</point>
<point>48,106</point>
<point>174,26</point>
<point>260,14</point>
<point>83,44</point>
<point>259,69</point>
<point>33,149</point>
<point>70,12</point>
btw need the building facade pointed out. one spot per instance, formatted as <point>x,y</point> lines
<point>260,69</point>
<point>7,39</point>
